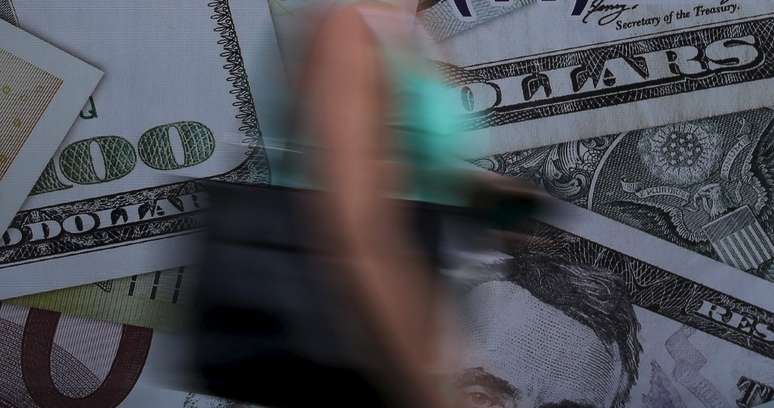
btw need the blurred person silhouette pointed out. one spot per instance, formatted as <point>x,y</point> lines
<point>383,121</point>
<point>345,299</point>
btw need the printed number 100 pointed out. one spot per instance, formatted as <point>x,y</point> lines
<point>106,158</point>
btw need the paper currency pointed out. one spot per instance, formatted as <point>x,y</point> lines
<point>444,18</point>
<point>570,322</point>
<point>179,103</point>
<point>705,185</point>
<point>45,362</point>
<point>158,300</point>
<point>51,360</point>
<point>42,89</point>
<point>635,333</point>
<point>542,76</point>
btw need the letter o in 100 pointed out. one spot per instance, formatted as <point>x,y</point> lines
<point>101,159</point>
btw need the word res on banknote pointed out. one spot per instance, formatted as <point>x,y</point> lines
<point>736,321</point>
<point>518,90</point>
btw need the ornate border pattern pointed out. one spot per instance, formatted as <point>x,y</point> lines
<point>152,224</point>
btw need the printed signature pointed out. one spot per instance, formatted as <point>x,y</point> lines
<point>607,12</point>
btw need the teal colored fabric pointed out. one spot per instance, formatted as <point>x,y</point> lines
<point>426,131</point>
<point>421,126</point>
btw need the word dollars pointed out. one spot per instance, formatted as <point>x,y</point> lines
<point>661,67</point>
<point>90,221</point>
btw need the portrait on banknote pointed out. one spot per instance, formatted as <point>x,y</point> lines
<point>568,323</point>
<point>548,333</point>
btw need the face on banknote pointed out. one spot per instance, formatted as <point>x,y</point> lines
<point>178,104</point>
<point>542,75</point>
<point>41,91</point>
<point>569,322</point>
<point>587,312</point>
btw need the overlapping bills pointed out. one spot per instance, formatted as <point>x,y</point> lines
<point>702,184</point>
<point>159,300</point>
<point>589,312</point>
<point>542,75</point>
<point>658,327</point>
<point>178,103</point>
<point>705,185</point>
<point>42,90</point>
<point>662,108</point>
<point>572,321</point>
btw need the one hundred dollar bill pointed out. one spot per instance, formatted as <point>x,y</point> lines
<point>705,185</point>
<point>571,321</point>
<point>542,75</point>
<point>42,88</point>
<point>158,300</point>
<point>179,104</point>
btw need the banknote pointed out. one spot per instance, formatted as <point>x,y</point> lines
<point>542,75</point>
<point>158,300</point>
<point>120,196</point>
<point>636,333</point>
<point>705,185</point>
<point>51,360</point>
<point>444,18</point>
<point>41,91</point>
<point>570,322</point>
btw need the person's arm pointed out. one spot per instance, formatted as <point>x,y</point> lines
<point>345,94</point>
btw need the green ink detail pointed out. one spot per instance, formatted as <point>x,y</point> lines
<point>117,154</point>
<point>90,110</point>
<point>155,148</point>
<point>49,181</point>
<point>6,89</point>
